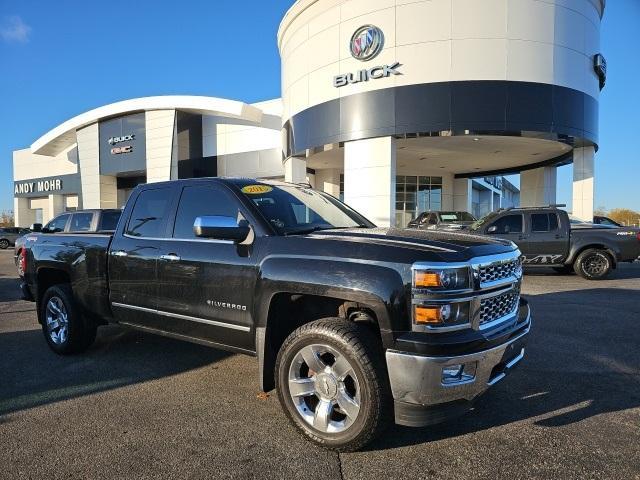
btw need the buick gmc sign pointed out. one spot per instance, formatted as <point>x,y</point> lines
<point>123,145</point>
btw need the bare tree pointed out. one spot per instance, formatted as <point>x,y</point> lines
<point>6,218</point>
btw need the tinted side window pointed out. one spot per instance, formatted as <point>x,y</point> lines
<point>57,224</point>
<point>199,201</point>
<point>109,221</point>
<point>508,224</point>
<point>81,222</point>
<point>544,222</point>
<point>540,222</point>
<point>149,213</point>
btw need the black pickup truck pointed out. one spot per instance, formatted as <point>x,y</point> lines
<point>547,237</point>
<point>79,221</point>
<point>353,324</point>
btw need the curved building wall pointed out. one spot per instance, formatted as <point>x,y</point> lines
<point>515,67</point>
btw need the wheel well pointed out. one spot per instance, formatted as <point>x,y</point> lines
<point>47,277</point>
<point>596,246</point>
<point>288,311</point>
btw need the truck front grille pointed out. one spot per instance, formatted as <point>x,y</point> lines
<point>500,270</point>
<point>495,308</point>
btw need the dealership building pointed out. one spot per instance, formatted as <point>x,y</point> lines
<point>396,106</point>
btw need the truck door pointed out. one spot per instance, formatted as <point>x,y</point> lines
<point>206,286</point>
<point>133,258</point>
<point>547,242</point>
<point>510,227</point>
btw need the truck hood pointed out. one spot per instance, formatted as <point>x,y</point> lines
<point>448,245</point>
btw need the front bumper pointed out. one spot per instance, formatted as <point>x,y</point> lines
<point>423,396</point>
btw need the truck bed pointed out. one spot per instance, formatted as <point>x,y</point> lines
<point>83,256</point>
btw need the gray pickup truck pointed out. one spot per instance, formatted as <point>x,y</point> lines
<point>548,238</point>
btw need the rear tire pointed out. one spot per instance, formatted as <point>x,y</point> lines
<point>19,264</point>
<point>64,329</point>
<point>593,264</point>
<point>332,384</point>
<point>4,244</point>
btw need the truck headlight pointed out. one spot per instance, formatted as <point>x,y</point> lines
<point>442,279</point>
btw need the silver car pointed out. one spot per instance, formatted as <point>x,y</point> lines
<point>9,235</point>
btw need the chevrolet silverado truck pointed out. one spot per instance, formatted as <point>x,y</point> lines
<point>547,237</point>
<point>354,325</point>
<point>79,221</point>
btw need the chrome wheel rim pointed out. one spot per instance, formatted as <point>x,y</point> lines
<point>596,264</point>
<point>324,388</point>
<point>57,321</point>
<point>4,244</point>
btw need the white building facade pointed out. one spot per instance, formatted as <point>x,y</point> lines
<point>387,90</point>
<point>396,106</point>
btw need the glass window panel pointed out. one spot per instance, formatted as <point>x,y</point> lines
<point>400,197</point>
<point>201,201</point>
<point>424,180</point>
<point>412,179</point>
<point>410,197</point>
<point>411,188</point>
<point>400,179</point>
<point>149,213</point>
<point>436,180</point>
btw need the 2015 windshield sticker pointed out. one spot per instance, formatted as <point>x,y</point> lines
<point>256,189</point>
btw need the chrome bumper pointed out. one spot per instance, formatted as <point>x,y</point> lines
<point>418,380</point>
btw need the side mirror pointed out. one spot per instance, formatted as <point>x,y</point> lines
<point>36,227</point>
<point>492,229</point>
<point>221,228</point>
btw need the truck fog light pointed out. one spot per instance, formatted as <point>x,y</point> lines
<point>432,315</point>
<point>458,373</point>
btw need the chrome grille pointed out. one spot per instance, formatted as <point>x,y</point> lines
<point>500,270</point>
<point>495,308</point>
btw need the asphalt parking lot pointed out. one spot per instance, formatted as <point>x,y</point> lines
<point>140,406</point>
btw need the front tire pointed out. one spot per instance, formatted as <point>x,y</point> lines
<point>593,264</point>
<point>4,244</point>
<point>332,384</point>
<point>64,329</point>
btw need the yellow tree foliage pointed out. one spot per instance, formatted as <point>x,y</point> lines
<point>624,216</point>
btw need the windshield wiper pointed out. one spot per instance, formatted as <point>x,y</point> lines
<point>305,230</point>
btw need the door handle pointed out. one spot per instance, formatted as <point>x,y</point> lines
<point>171,257</point>
<point>558,236</point>
<point>120,253</point>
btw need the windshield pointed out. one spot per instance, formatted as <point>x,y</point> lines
<point>449,217</point>
<point>483,221</point>
<point>298,209</point>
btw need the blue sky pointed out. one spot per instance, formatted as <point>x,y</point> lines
<point>59,59</point>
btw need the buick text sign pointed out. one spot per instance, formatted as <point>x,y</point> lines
<point>375,73</point>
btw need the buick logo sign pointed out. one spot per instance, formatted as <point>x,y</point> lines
<point>367,43</point>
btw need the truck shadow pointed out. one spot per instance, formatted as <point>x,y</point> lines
<point>33,375</point>
<point>9,289</point>
<point>624,271</point>
<point>582,360</point>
